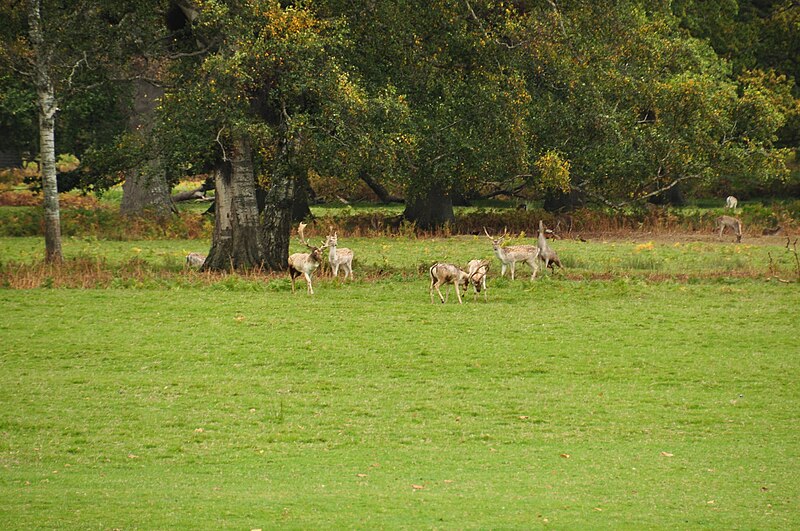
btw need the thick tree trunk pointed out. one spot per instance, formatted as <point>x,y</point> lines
<point>47,124</point>
<point>278,222</point>
<point>145,190</point>
<point>430,209</point>
<point>237,240</point>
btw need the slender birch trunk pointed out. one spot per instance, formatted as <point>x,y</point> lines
<point>47,125</point>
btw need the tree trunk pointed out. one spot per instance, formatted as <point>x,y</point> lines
<point>378,189</point>
<point>556,201</point>
<point>237,241</point>
<point>430,209</point>
<point>47,122</point>
<point>145,190</point>
<point>278,222</point>
<point>302,194</point>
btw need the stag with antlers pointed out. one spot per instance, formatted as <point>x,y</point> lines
<point>305,263</point>
<point>546,254</point>
<point>511,254</point>
<point>477,271</point>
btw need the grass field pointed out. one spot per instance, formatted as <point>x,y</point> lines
<point>569,402</point>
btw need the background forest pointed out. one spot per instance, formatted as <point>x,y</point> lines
<point>441,103</point>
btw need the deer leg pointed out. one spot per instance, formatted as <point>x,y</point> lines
<point>485,289</point>
<point>430,290</point>
<point>440,293</point>
<point>513,268</point>
<point>308,281</point>
<point>458,294</point>
<point>503,270</point>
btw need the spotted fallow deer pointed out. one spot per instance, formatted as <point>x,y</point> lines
<point>195,260</point>
<point>734,224</point>
<point>731,202</point>
<point>546,254</point>
<point>477,271</point>
<point>448,274</point>
<point>305,263</point>
<point>511,254</point>
<point>339,257</point>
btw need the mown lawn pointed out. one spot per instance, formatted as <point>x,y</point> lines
<point>564,403</point>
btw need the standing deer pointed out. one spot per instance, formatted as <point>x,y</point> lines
<point>339,257</point>
<point>734,224</point>
<point>448,274</point>
<point>477,271</point>
<point>305,263</point>
<point>510,255</point>
<point>731,202</point>
<point>546,254</point>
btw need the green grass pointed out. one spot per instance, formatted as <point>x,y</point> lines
<point>410,255</point>
<point>574,404</point>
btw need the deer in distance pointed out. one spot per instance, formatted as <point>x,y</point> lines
<point>546,254</point>
<point>731,202</point>
<point>339,257</point>
<point>195,260</point>
<point>510,255</point>
<point>305,263</point>
<point>477,271</point>
<point>724,222</point>
<point>448,274</point>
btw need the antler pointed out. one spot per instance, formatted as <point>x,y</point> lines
<point>301,232</point>
<point>487,233</point>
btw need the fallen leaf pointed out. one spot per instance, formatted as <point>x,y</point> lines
<point>417,487</point>
<point>524,417</point>
<point>448,481</point>
<point>131,456</point>
<point>765,489</point>
<point>598,509</point>
<point>711,502</point>
<point>565,456</point>
<point>199,430</point>
<point>361,475</point>
<point>666,454</point>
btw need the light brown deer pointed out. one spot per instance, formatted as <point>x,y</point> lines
<point>477,271</point>
<point>448,274</point>
<point>546,254</point>
<point>305,263</point>
<point>195,260</point>
<point>731,202</point>
<point>510,255</point>
<point>734,224</point>
<point>339,257</point>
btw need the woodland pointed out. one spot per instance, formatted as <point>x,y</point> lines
<point>281,104</point>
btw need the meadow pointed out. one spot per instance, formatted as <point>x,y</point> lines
<point>651,384</point>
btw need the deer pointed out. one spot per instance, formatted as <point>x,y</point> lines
<point>510,255</point>
<point>305,263</point>
<point>195,260</point>
<point>731,202</point>
<point>339,257</point>
<point>734,224</point>
<point>448,274</point>
<point>477,271</point>
<point>546,254</point>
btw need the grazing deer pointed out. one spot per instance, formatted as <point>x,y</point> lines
<point>546,254</point>
<point>339,257</point>
<point>734,224</point>
<point>477,270</point>
<point>195,260</point>
<point>731,202</point>
<point>448,274</point>
<point>771,231</point>
<point>510,255</point>
<point>305,263</point>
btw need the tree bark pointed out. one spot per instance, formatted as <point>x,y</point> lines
<point>378,189</point>
<point>237,240</point>
<point>47,122</point>
<point>430,209</point>
<point>145,190</point>
<point>278,222</point>
<point>302,195</point>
